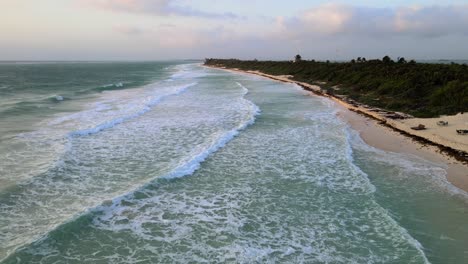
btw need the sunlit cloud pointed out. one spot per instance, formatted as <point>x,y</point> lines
<point>417,21</point>
<point>160,29</point>
<point>153,7</point>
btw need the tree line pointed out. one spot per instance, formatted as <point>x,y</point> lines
<point>419,89</point>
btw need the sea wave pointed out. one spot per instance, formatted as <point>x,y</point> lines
<point>25,106</point>
<point>107,210</point>
<point>187,168</point>
<point>147,107</point>
<point>185,71</point>
<point>194,163</point>
<point>112,86</point>
<point>354,140</point>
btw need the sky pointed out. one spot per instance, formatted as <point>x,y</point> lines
<point>245,29</point>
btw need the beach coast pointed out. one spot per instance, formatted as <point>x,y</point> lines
<point>380,129</point>
<point>161,158</point>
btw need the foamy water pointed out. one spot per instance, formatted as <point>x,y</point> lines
<point>202,165</point>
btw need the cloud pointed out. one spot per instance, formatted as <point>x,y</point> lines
<point>189,38</point>
<point>332,19</point>
<point>153,7</point>
<point>329,31</point>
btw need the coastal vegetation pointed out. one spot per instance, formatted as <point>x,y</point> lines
<point>419,89</point>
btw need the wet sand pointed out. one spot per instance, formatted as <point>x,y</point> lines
<point>387,139</point>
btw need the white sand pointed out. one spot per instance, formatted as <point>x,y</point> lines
<point>444,135</point>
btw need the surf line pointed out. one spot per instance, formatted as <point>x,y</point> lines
<point>117,121</point>
<point>193,164</point>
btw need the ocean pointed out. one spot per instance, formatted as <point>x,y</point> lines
<point>172,162</point>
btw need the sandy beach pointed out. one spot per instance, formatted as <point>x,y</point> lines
<point>385,138</point>
<point>440,144</point>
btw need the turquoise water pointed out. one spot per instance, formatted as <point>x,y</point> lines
<point>176,163</point>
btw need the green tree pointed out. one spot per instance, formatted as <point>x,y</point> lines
<point>386,59</point>
<point>420,89</point>
<point>297,58</point>
<point>452,98</point>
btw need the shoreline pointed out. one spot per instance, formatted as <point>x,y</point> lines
<point>388,134</point>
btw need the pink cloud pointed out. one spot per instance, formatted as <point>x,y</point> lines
<point>427,21</point>
<point>153,7</point>
<point>156,6</point>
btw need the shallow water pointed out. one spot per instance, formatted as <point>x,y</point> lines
<point>173,162</point>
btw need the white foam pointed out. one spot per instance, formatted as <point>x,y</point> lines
<point>223,209</point>
<point>117,85</point>
<point>186,71</point>
<point>245,90</point>
<point>72,185</point>
<point>194,163</point>
<point>188,168</point>
<point>223,212</point>
<point>147,107</point>
<point>349,154</point>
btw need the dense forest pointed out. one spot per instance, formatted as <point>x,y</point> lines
<point>419,89</point>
